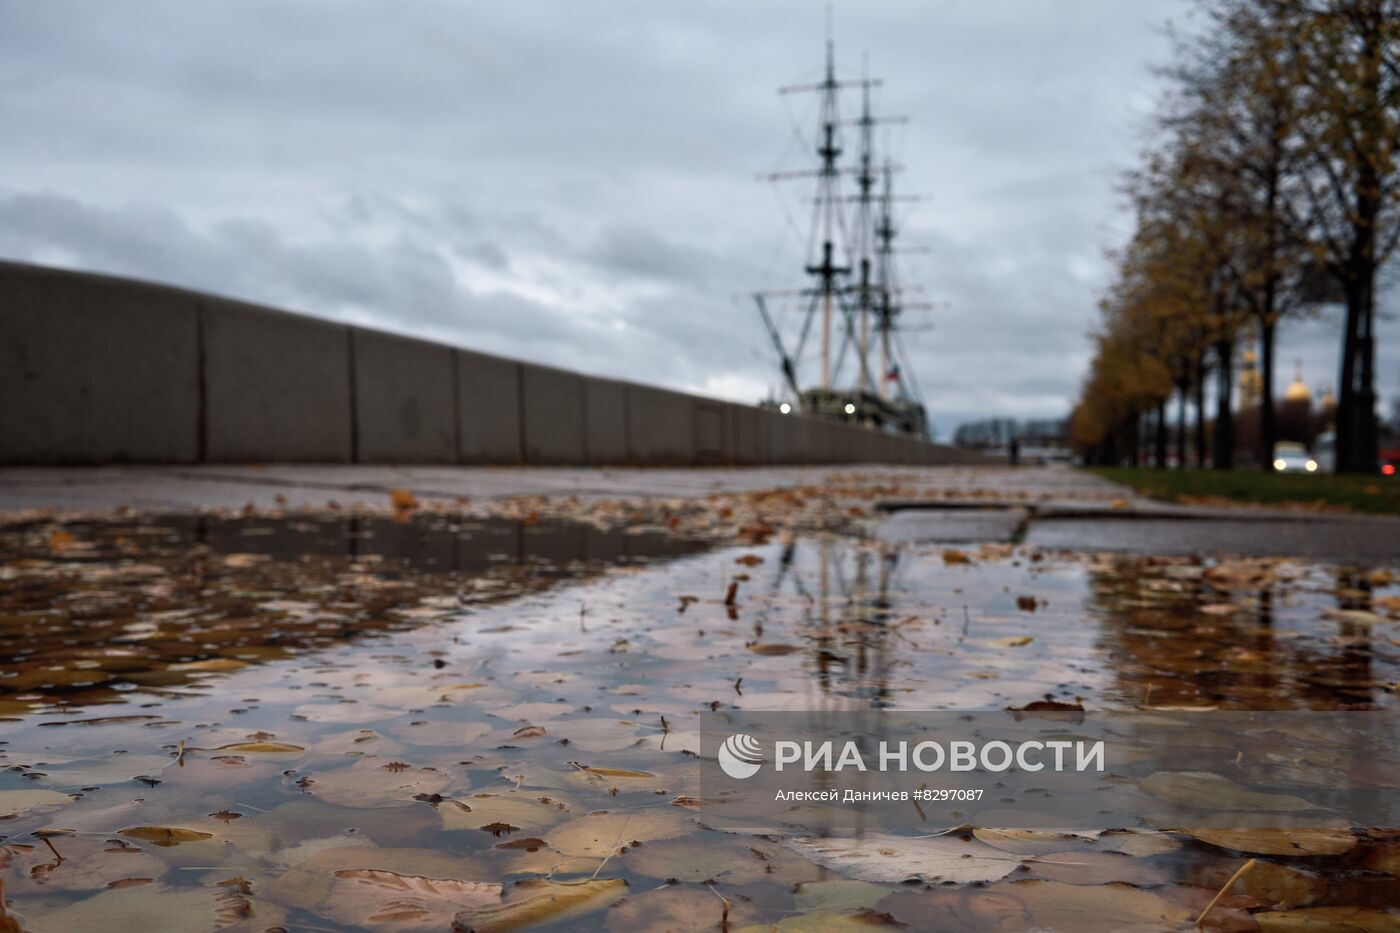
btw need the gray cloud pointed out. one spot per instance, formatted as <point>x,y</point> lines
<point>573,183</point>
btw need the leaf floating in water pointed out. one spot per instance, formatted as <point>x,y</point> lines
<point>619,773</point>
<point>772,650</point>
<point>893,859</point>
<point>373,782</point>
<point>600,835</point>
<point>486,811</point>
<point>953,556</point>
<point>1110,908</point>
<point>1354,616</point>
<point>1273,841</point>
<point>1032,841</point>
<point>386,900</point>
<point>540,901</point>
<point>677,909</point>
<point>261,748</point>
<point>14,803</point>
<point>1206,791</point>
<point>102,721</point>
<point>152,907</point>
<point>165,836</point>
<point>529,845</point>
<point>1329,920</point>
<point>1048,706</point>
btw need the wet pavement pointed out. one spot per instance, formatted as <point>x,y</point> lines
<point>444,715</point>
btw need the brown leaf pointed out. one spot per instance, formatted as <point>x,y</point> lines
<point>386,900</point>
<point>165,836</point>
<point>539,900</point>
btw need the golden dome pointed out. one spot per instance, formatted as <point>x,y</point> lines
<point>1298,390</point>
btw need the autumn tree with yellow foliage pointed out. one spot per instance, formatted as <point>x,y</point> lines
<point>1272,187</point>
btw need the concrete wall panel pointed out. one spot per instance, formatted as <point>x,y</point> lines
<point>552,415</point>
<point>405,400</point>
<point>488,407</point>
<point>96,370</point>
<point>661,425</point>
<point>605,413</point>
<point>711,438</point>
<point>277,386</point>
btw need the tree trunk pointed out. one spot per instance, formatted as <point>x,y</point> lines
<point>1181,426</point>
<point>1224,446</point>
<point>1201,415</point>
<point>1357,435</point>
<point>1268,430</point>
<point>1162,434</point>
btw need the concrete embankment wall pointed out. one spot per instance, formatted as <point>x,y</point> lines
<point>96,369</point>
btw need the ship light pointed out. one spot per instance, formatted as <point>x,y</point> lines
<point>850,408</point>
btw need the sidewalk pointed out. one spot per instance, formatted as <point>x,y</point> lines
<point>1052,507</point>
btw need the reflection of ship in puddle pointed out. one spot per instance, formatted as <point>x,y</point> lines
<point>94,610</point>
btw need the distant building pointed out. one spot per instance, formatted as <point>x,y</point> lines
<point>994,433</point>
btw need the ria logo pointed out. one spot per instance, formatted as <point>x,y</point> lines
<point>740,756</point>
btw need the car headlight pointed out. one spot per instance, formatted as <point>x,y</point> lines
<point>1311,465</point>
<point>1280,464</point>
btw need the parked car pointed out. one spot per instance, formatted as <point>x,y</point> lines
<point>1292,457</point>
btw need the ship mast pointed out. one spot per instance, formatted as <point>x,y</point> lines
<point>861,296</point>
<point>887,310</point>
<point>828,198</point>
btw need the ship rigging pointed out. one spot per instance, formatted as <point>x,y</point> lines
<point>860,300</point>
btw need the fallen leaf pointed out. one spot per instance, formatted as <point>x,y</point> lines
<point>1354,616</point>
<point>1110,908</point>
<point>675,909</point>
<point>1206,791</point>
<point>165,836</point>
<point>772,650</point>
<point>368,783</point>
<point>18,802</point>
<point>386,900</point>
<point>894,859</point>
<point>838,896</point>
<point>1096,868</point>
<point>261,748</point>
<point>1329,920</point>
<point>538,900</point>
<point>518,810</point>
<point>1031,841</point>
<point>1268,841</point>
<point>600,835</point>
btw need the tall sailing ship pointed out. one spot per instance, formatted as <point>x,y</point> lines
<point>854,297</point>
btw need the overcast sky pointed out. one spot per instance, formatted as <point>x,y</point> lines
<point>574,182</point>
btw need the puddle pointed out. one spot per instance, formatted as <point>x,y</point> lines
<point>504,763</point>
<point>91,610</point>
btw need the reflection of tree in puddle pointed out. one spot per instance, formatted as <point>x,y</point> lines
<point>1254,634</point>
<point>91,611</point>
